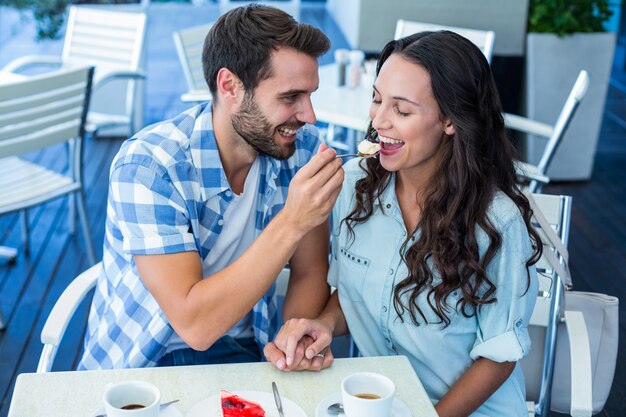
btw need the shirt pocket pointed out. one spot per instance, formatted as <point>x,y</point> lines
<point>352,270</point>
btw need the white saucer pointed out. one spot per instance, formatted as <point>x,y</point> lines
<point>398,409</point>
<point>212,406</point>
<point>167,411</point>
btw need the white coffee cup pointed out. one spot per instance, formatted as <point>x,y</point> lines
<point>132,399</point>
<point>367,394</point>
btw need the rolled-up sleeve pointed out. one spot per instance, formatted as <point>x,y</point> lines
<point>149,211</point>
<point>502,333</point>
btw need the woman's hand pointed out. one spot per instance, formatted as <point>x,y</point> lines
<point>300,344</point>
<point>300,363</point>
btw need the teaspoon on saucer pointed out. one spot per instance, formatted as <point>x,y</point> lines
<point>336,408</point>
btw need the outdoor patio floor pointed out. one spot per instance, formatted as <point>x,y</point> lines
<point>29,287</point>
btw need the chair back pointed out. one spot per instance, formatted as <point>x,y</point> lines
<point>553,133</point>
<point>189,43</point>
<point>538,366</point>
<point>44,110</point>
<point>112,41</point>
<point>483,39</point>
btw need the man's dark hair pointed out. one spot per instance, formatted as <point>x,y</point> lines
<point>243,40</point>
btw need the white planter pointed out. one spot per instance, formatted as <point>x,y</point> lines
<point>552,65</point>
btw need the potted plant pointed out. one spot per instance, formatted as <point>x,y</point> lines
<point>564,37</point>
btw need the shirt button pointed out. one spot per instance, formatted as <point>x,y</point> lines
<point>228,193</point>
<point>390,271</point>
<point>220,222</point>
<point>388,206</point>
<point>384,309</point>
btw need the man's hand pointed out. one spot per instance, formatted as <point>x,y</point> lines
<point>314,190</point>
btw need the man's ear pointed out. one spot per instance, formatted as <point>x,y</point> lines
<point>229,86</point>
<point>448,127</point>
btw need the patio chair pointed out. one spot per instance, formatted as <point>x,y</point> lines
<point>37,113</point>
<point>549,312</point>
<point>536,175</point>
<point>189,43</point>
<point>111,41</point>
<point>64,308</point>
<point>483,39</point>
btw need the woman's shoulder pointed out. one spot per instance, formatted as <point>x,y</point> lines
<point>503,211</point>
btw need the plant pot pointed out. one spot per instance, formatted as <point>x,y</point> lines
<point>552,65</point>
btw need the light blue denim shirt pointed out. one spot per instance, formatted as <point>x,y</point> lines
<point>366,270</point>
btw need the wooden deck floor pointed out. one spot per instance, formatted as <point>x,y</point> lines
<point>29,288</point>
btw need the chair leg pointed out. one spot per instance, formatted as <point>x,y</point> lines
<point>71,202</point>
<point>84,222</point>
<point>25,236</point>
<point>3,325</point>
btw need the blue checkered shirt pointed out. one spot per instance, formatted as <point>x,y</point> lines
<point>168,193</point>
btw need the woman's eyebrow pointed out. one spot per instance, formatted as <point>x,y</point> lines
<point>401,98</point>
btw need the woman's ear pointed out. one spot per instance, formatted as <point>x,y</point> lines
<point>228,85</point>
<point>448,127</point>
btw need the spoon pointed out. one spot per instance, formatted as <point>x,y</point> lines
<point>363,155</point>
<point>336,408</point>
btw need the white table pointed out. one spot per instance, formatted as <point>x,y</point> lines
<point>66,394</point>
<point>341,106</point>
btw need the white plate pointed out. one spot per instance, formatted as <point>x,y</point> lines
<point>167,411</point>
<point>212,406</point>
<point>398,409</point>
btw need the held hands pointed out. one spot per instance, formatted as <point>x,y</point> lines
<point>314,190</point>
<point>301,344</point>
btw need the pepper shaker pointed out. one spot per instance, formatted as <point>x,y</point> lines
<point>341,60</point>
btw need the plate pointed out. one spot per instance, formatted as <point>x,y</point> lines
<point>167,411</point>
<point>398,409</point>
<point>212,406</point>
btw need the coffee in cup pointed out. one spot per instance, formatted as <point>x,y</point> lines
<point>367,394</point>
<point>132,399</point>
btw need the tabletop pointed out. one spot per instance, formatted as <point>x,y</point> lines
<point>341,106</point>
<point>79,393</point>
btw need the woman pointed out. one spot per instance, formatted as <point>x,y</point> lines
<point>433,257</point>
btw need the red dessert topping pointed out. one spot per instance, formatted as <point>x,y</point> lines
<point>235,406</point>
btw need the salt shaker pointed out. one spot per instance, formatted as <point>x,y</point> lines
<point>355,68</point>
<point>341,60</point>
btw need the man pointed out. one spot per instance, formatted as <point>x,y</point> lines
<point>206,209</point>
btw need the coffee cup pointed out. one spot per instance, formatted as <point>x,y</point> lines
<point>367,394</point>
<point>132,399</point>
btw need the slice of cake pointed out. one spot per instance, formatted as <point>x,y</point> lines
<point>235,406</point>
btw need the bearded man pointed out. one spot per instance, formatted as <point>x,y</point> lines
<point>205,210</point>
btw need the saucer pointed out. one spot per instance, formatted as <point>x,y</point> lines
<point>398,409</point>
<point>167,411</point>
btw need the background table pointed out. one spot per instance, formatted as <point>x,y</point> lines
<point>341,106</point>
<point>79,393</point>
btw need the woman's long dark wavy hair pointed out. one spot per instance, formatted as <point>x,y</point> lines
<point>476,163</point>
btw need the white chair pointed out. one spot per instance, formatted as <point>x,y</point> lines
<point>112,41</point>
<point>36,113</point>
<point>189,43</point>
<point>483,39</point>
<point>290,6</point>
<point>61,314</point>
<point>549,312</point>
<point>536,175</point>
<point>64,308</point>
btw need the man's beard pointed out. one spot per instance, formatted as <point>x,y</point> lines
<point>252,125</point>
